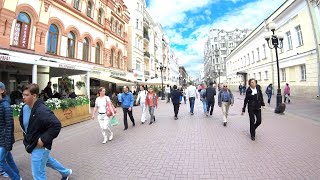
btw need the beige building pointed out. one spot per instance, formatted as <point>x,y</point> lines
<point>42,41</point>
<point>298,58</point>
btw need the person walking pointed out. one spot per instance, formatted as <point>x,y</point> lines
<point>142,95</point>
<point>254,100</point>
<point>209,96</point>
<point>119,98</point>
<point>240,89</point>
<point>40,127</point>
<point>175,98</point>
<point>7,136</point>
<point>184,93</point>
<point>286,93</point>
<point>167,91</point>
<point>192,95</point>
<point>152,103</point>
<point>269,91</point>
<point>127,105</point>
<point>203,99</point>
<point>103,119</point>
<point>225,99</point>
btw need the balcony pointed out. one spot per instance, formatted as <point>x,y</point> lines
<point>146,73</point>
<point>146,37</point>
<point>147,54</point>
<point>146,22</point>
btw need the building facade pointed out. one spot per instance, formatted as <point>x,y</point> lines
<point>298,58</point>
<point>42,41</point>
<point>219,44</point>
<point>184,77</point>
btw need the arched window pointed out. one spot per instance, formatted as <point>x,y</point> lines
<point>111,24</point>
<point>120,31</point>
<point>71,44</point>
<point>85,51</point>
<point>112,57</point>
<point>119,59</point>
<point>89,9</point>
<point>100,16</point>
<point>53,39</point>
<point>98,53</point>
<point>22,31</point>
<point>76,4</point>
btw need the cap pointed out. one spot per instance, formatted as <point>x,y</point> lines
<point>2,86</point>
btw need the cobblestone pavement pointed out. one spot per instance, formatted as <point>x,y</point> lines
<point>193,147</point>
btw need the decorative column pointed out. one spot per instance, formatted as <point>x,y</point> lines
<point>88,88</point>
<point>35,74</point>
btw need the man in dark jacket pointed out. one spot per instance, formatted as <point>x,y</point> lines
<point>175,98</point>
<point>40,126</point>
<point>209,96</point>
<point>7,136</point>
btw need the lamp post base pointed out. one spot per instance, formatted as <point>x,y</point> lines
<point>281,107</point>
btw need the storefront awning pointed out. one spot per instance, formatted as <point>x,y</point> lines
<point>104,77</point>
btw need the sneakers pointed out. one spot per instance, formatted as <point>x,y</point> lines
<point>67,177</point>
<point>105,140</point>
<point>6,175</point>
<point>2,173</point>
<point>175,118</point>
<point>111,137</point>
<point>225,124</point>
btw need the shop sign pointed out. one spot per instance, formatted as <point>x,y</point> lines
<point>67,66</point>
<point>4,58</point>
<point>25,35</point>
<point>119,74</point>
<point>16,34</point>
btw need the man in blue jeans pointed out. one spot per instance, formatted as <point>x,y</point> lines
<point>192,95</point>
<point>127,105</point>
<point>7,136</point>
<point>40,126</point>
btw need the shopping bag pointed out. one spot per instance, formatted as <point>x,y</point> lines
<point>113,121</point>
<point>110,109</point>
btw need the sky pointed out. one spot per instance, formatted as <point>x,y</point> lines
<point>187,23</point>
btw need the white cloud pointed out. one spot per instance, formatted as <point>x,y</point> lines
<point>249,15</point>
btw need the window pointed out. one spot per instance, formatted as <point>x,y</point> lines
<point>259,76</point>
<point>248,59</point>
<point>245,60</point>
<point>22,30</point>
<point>71,44</point>
<point>222,38</point>
<point>137,24</point>
<point>76,4</point>
<point>264,51</point>
<point>299,34</point>
<point>120,31</point>
<point>284,76</point>
<point>85,51</point>
<point>112,58</point>
<point>266,75</point>
<point>258,53</point>
<point>116,27</point>
<point>252,57</point>
<point>100,17</point>
<point>138,6</point>
<point>217,60</point>
<point>215,39</point>
<point>89,9</point>
<point>289,40</point>
<point>138,66</point>
<point>111,24</point>
<point>119,59</point>
<point>52,39</point>
<point>98,50</point>
<point>254,75</point>
<point>303,72</point>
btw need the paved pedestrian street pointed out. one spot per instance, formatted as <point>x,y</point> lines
<point>193,147</point>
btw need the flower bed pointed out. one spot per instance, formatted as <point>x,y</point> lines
<point>68,111</point>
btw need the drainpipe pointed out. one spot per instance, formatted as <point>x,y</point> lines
<point>316,43</point>
<point>271,57</point>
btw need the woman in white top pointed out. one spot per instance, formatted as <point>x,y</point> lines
<point>101,108</point>
<point>141,99</point>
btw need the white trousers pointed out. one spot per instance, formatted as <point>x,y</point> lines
<point>104,120</point>
<point>225,110</point>
<point>143,112</point>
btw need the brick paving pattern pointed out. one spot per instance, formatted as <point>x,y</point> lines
<point>193,147</point>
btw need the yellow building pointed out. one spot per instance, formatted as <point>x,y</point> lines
<point>298,58</point>
<point>41,41</point>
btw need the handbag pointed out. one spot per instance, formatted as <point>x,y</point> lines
<point>114,121</point>
<point>110,109</point>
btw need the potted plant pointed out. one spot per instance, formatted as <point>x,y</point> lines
<point>80,84</point>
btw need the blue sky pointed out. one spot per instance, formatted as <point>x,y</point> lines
<point>187,22</point>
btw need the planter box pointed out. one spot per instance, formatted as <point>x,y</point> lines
<point>67,117</point>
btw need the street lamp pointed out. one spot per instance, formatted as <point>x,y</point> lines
<point>219,70</point>
<point>162,68</point>
<point>275,43</point>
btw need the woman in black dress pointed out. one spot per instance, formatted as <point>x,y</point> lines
<point>254,99</point>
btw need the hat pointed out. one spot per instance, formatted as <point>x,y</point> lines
<point>2,86</point>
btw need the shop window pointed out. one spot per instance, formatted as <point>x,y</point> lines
<point>89,9</point>
<point>98,50</point>
<point>85,52</point>
<point>53,39</point>
<point>22,30</point>
<point>71,45</point>
<point>112,57</point>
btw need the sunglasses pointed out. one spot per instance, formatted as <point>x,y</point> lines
<point>225,86</point>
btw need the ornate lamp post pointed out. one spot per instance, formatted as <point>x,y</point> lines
<point>162,68</point>
<point>275,43</point>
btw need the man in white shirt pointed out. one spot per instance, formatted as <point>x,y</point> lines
<point>192,95</point>
<point>167,91</point>
<point>141,99</point>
